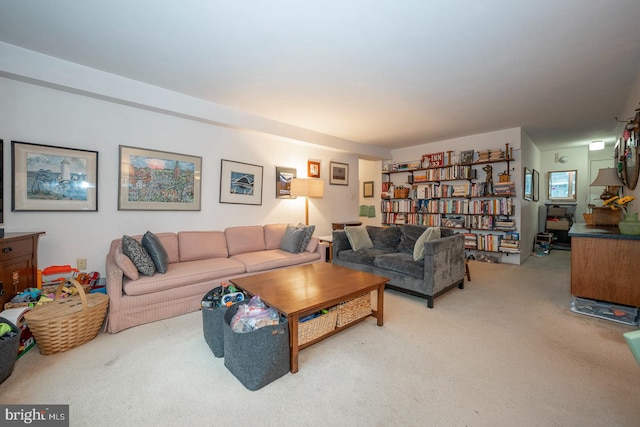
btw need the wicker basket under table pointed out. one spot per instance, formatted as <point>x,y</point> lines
<point>354,309</point>
<point>66,323</point>
<point>317,327</point>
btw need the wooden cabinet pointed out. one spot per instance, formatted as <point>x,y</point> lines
<point>604,265</point>
<point>18,264</point>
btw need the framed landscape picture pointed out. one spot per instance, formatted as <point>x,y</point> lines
<point>153,180</point>
<point>50,178</point>
<point>339,173</point>
<point>283,182</point>
<point>527,193</point>
<point>240,183</point>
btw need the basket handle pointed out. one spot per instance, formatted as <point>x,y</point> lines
<point>74,282</point>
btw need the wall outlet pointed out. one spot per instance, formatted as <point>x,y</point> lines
<point>81,263</point>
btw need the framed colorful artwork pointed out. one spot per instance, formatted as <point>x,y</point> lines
<point>153,180</point>
<point>50,178</point>
<point>283,182</point>
<point>313,169</point>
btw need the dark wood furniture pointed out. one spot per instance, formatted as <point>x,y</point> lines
<point>18,264</point>
<point>342,225</point>
<point>604,265</point>
<point>299,291</point>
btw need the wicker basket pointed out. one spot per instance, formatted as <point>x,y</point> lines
<point>317,327</point>
<point>354,309</point>
<point>67,323</point>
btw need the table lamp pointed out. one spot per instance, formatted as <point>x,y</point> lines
<point>607,177</point>
<point>307,188</point>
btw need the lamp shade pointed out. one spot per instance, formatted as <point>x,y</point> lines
<point>607,177</point>
<point>307,187</point>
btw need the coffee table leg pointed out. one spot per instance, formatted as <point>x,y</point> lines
<point>380,309</point>
<point>293,343</point>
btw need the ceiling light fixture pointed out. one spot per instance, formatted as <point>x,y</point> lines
<point>596,145</point>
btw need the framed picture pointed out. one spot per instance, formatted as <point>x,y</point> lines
<point>240,183</point>
<point>338,173</point>
<point>367,189</point>
<point>527,194</point>
<point>283,182</point>
<point>153,180</point>
<point>466,157</point>
<point>313,169</point>
<point>536,185</point>
<point>49,178</point>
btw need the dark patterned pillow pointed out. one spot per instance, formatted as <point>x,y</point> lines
<point>138,255</point>
<point>156,251</point>
<point>306,236</point>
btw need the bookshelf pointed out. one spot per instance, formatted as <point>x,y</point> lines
<point>449,193</point>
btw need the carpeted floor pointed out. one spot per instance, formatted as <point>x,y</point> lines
<point>506,350</point>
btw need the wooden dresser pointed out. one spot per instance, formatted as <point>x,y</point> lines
<point>18,264</point>
<point>605,265</point>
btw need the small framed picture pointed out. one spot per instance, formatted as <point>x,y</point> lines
<point>48,178</point>
<point>339,173</point>
<point>240,183</point>
<point>367,189</point>
<point>283,182</point>
<point>313,169</point>
<point>466,157</point>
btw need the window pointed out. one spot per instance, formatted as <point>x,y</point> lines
<point>562,186</point>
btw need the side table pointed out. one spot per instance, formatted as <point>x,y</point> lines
<point>342,225</point>
<point>328,240</point>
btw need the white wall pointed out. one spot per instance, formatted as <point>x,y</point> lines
<point>490,140</point>
<point>40,115</point>
<point>370,171</point>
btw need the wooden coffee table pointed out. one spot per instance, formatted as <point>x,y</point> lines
<point>299,291</point>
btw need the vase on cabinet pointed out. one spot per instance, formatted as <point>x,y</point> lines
<point>630,224</point>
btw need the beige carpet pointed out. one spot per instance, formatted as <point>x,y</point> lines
<point>506,350</point>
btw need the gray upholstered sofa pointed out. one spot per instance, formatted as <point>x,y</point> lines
<point>443,266</point>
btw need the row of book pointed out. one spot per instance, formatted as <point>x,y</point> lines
<point>469,222</point>
<point>491,243</point>
<point>450,206</point>
<point>446,173</point>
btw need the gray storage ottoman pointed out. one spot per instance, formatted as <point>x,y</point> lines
<point>259,357</point>
<point>8,351</point>
<point>212,320</point>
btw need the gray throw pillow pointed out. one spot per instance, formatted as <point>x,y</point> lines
<point>384,238</point>
<point>306,236</point>
<point>358,238</point>
<point>430,233</point>
<point>156,251</point>
<point>291,240</point>
<point>138,255</point>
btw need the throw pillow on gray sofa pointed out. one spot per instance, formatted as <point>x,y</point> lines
<point>410,233</point>
<point>384,238</point>
<point>358,238</point>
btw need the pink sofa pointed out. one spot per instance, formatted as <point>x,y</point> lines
<point>198,262</point>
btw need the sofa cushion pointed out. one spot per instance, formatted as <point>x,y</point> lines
<point>307,232</point>
<point>195,245</point>
<point>245,239</point>
<point>385,238</point>
<point>183,274</point>
<point>430,233</point>
<point>275,258</point>
<point>291,240</point>
<point>125,264</point>
<point>273,235</point>
<point>358,238</point>
<point>313,244</point>
<point>400,262</point>
<point>363,256</point>
<point>410,234</point>
<point>138,255</point>
<point>156,251</point>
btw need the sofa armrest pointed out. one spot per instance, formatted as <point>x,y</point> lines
<point>444,262</point>
<point>340,242</point>
<point>113,280</point>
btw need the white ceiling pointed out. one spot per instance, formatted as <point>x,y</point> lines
<point>391,73</point>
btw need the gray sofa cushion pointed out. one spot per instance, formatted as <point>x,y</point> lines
<point>363,256</point>
<point>401,262</point>
<point>291,239</point>
<point>385,238</point>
